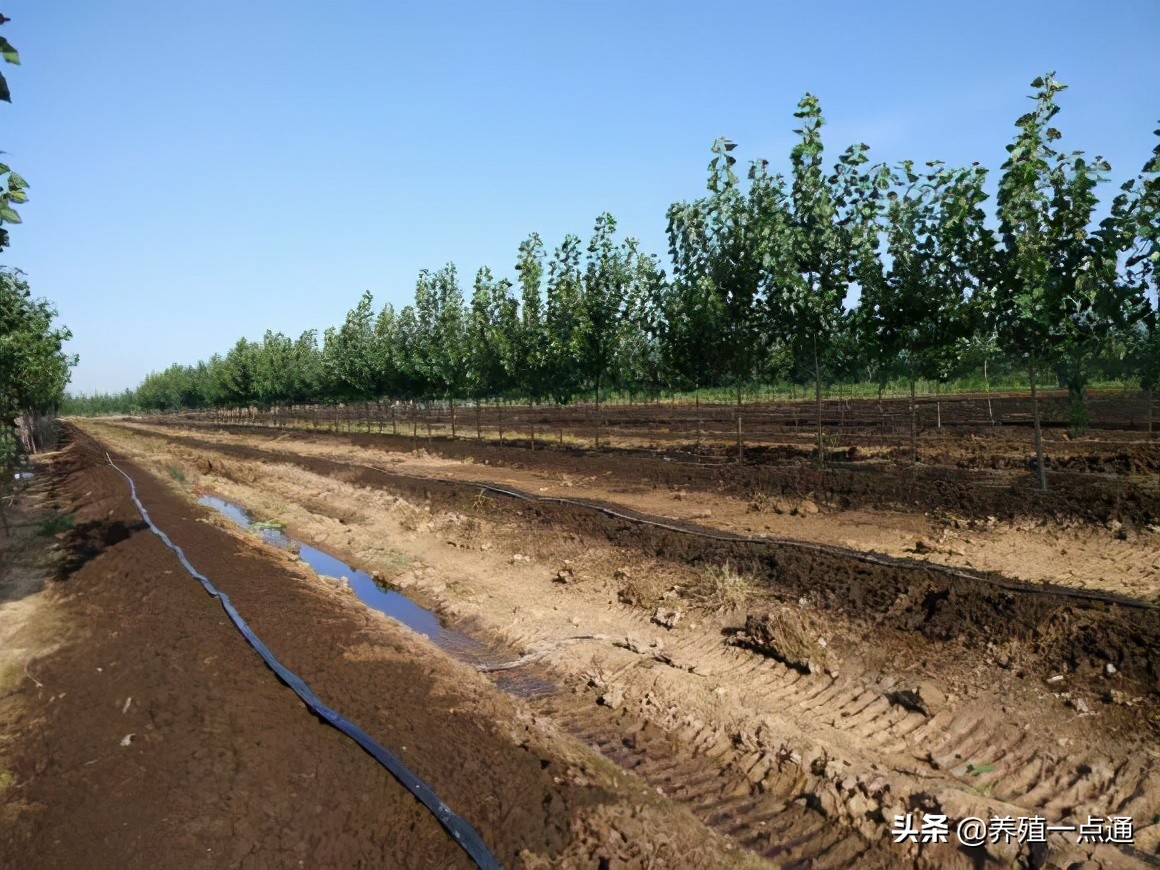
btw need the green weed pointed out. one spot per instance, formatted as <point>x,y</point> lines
<point>57,523</point>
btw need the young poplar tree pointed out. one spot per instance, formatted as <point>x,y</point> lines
<point>1135,219</point>
<point>413,378</point>
<point>730,253</point>
<point>236,374</point>
<point>490,324</point>
<point>352,353</point>
<point>12,185</point>
<point>916,313</point>
<point>306,378</point>
<point>450,350</point>
<point>272,370</point>
<point>637,362</point>
<point>603,290</point>
<point>386,353</point>
<point>1022,317</point>
<point>561,316</point>
<point>530,350</point>
<point>1056,295</point>
<point>1093,303</point>
<point>690,329</point>
<point>440,340</point>
<point>829,230</point>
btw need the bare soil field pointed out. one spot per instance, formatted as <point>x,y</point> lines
<point>970,470</point>
<point>140,730</point>
<point>790,671</point>
<point>1110,555</point>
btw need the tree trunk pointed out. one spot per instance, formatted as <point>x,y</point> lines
<point>394,420</point>
<point>499,418</point>
<point>818,402</point>
<point>697,405</point>
<point>913,423</point>
<point>452,416</point>
<point>478,421</point>
<point>1148,397</point>
<point>532,423</point>
<point>598,413</point>
<point>740,443</point>
<point>1038,433</point>
<point>987,388</point>
<point>1077,408</point>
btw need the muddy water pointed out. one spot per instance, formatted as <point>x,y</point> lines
<point>390,602</point>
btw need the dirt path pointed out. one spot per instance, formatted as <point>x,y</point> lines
<point>802,756</point>
<point>154,735</point>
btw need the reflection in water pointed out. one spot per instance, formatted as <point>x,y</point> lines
<point>389,601</point>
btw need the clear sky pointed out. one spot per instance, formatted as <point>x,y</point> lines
<point>202,171</point>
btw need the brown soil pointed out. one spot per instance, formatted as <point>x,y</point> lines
<point>1105,556</point>
<point>154,735</point>
<point>965,474</point>
<point>970,693</point>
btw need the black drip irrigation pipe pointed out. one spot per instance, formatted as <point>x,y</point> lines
<point>459,829</point>
<point>790,543</point>
<point>1015,586</point>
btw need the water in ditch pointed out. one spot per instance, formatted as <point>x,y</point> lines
<point>388,601</point>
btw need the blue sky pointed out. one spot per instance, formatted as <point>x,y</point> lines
<point>203,171</point>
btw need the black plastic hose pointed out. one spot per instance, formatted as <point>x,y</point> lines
<point>456,826</point>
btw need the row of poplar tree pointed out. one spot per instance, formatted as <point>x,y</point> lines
<point>761,268</point>
<point>34,369</point>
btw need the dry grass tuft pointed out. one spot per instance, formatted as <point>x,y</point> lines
<point>720,588</point>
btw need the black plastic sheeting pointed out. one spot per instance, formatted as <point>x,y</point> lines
<point>456,826</point>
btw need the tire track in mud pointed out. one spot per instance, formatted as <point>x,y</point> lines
<point>788,802</point>
<point>766,813</point>
<point>846,752</point>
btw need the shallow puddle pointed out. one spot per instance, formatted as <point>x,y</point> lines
<point>389,601</point>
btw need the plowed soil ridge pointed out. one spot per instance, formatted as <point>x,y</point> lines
<point>619,511</point>
<point>1006,492</point>
<point>157,737</point>
<point>1079,630</point>
<point>804,768</point>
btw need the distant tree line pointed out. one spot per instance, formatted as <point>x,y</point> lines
<point>761,268</point>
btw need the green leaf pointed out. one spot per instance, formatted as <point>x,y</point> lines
<point>7,214</point>
<point>4,93</point>
<point>8,52</point>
